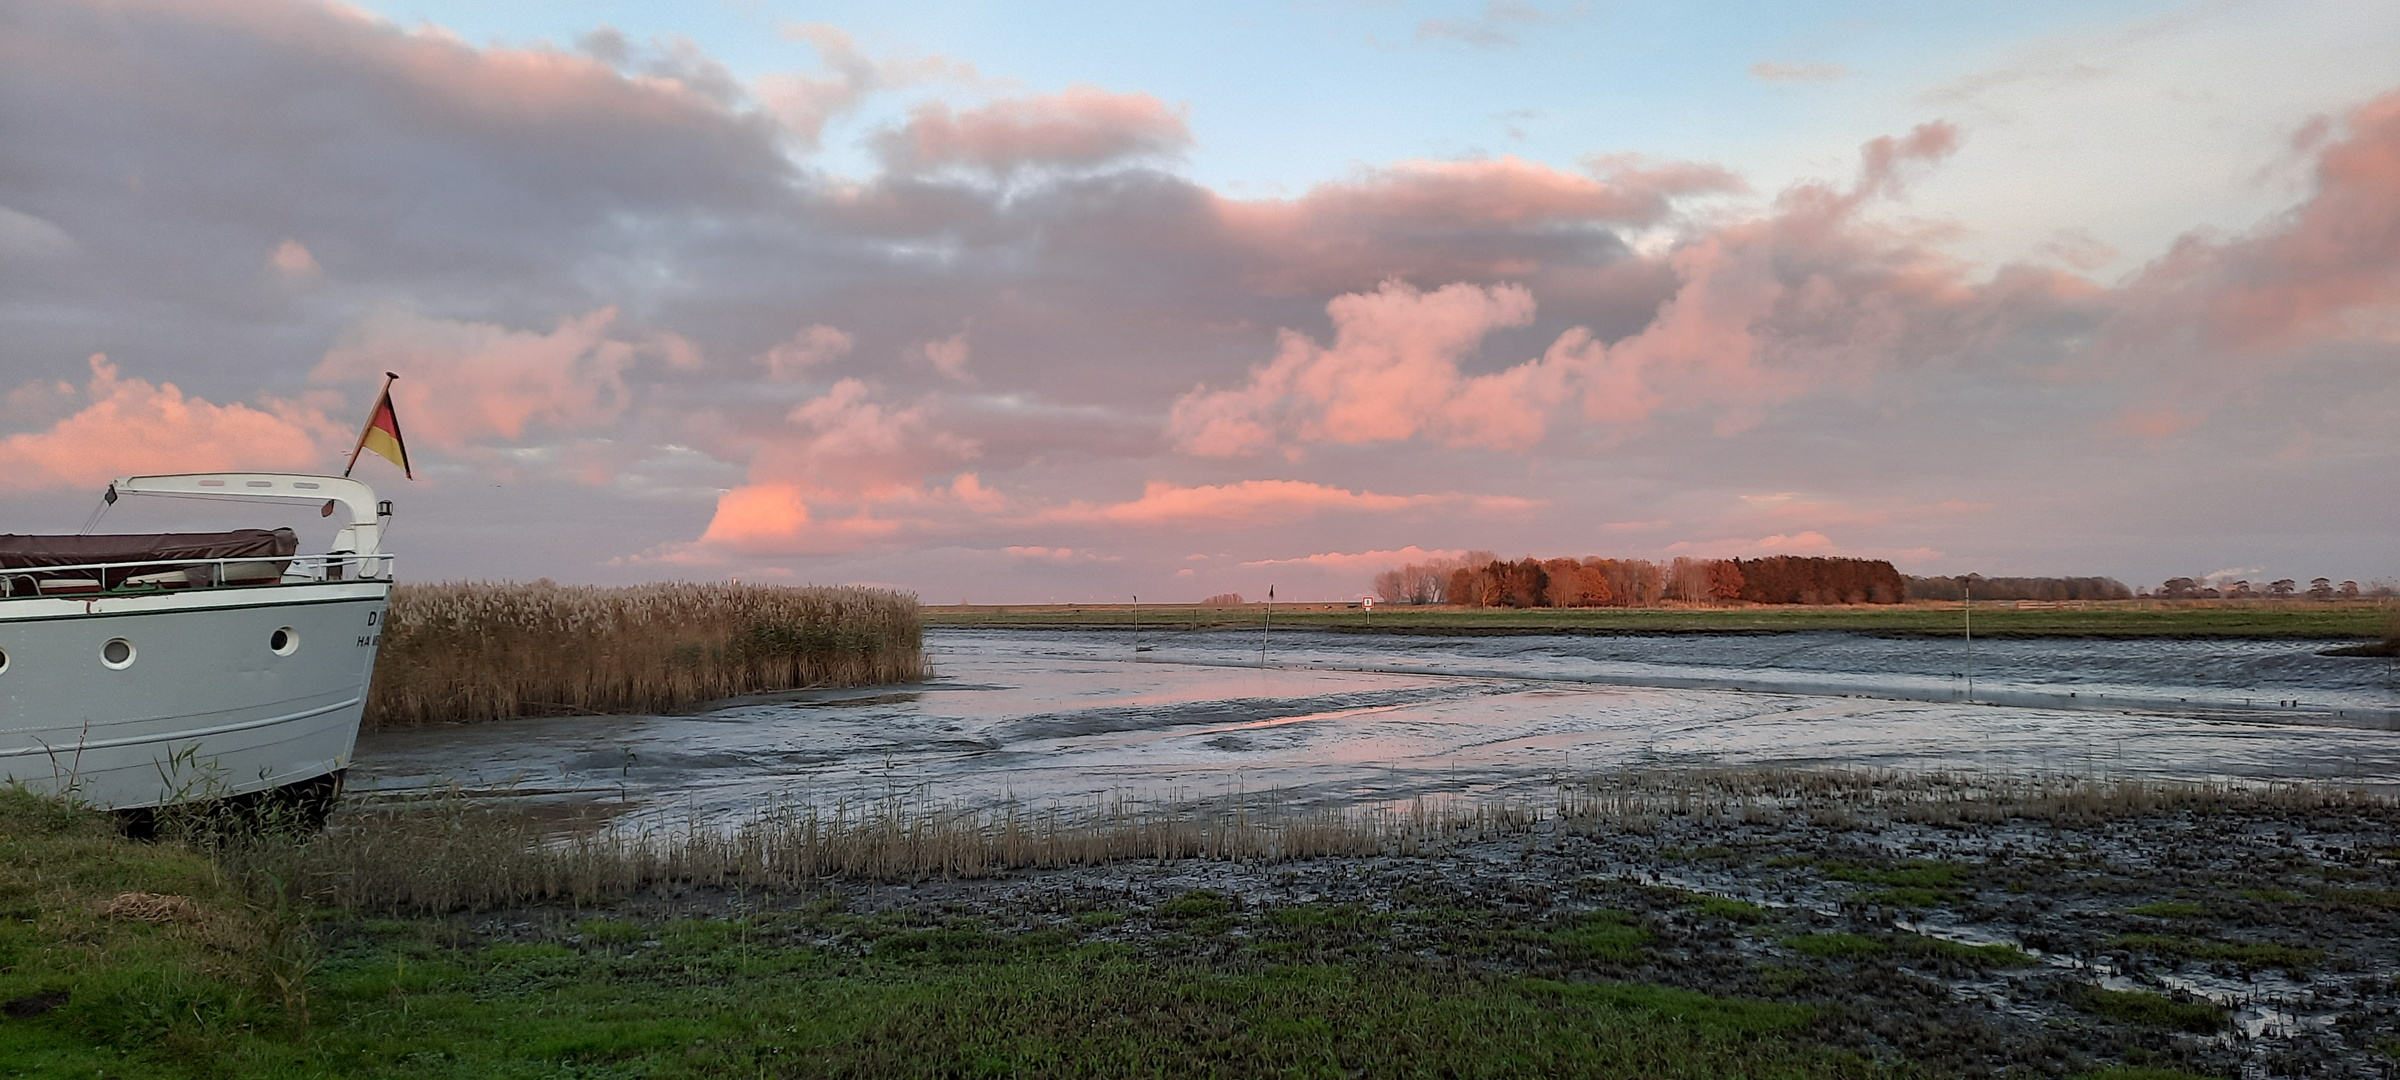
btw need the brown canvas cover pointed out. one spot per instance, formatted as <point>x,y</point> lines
<point>26,552</point>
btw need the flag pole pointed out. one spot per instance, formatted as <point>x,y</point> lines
<point>1266,625</point>
<point>381,396</point>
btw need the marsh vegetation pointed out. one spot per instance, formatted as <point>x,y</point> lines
<point>470,651</point>
<point>1662,923</point>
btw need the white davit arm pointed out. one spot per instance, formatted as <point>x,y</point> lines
<point>362,536</point>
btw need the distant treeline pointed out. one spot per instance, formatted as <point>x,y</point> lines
<point>1482,579</point>
<point>2017,588</point>
<point>2184,588</point>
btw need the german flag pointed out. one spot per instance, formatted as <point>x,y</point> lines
<point>382,433</point>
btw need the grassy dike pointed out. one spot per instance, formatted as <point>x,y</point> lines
<point>128,959</point>
<point>2336,621</point>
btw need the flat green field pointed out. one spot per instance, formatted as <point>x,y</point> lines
<point>2338,621</point>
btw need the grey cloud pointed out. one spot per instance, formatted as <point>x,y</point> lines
<point>174,146</point>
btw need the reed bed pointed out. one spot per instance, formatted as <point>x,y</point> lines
<point>462,652</point>
<point>446,852</point>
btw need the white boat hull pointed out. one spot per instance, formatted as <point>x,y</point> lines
<point>205,706</point>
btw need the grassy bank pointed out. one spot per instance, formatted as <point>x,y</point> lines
<point>471,651</point>
<point>1541,945</point>
<point>129,960</point>
<point>2334,621</point>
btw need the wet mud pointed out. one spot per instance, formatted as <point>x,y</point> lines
<point>1041,717</point>
<point>2236,940</point>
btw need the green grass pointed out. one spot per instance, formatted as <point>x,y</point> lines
<point>2294,619</point>
<point>1918,874</point>
<point>1609,936</point>
<point>974,1005</point>
<point>2247,954</point>
<point>2385,899</point>
<point>1728,908</point>
<point>1196,904</point>
<point>1914,884</point>
<point>2154,1010</point>
<point>248,988</point>
<point>2169,909</point>
<point>2137,1072</point>
<point>1837,946</point>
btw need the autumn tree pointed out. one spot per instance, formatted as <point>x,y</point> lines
<point>1565,583</point>
<point>1725,580</point>
<point>1808,579</point>
<point>1428,582</point>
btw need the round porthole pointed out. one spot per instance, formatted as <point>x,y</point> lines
<point>3,661</point>
<point>118,653</point>
<point>284,641</point>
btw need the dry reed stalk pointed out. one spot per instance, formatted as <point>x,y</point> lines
<point>1638,799</point>
<point>471,651</point>
<point>445,852</point>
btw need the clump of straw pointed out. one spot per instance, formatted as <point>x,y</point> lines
<point>470,651</point>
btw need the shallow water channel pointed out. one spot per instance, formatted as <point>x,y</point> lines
<point>1048,717</point>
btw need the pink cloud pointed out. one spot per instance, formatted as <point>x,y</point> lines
<point>129,426</point>
<point>1764,310</point>
<point>815,345</point>
<point>1446,220</point>
<point>948,356</point>
<point>1392,373</point>
<point>2156,424</point>
<point>804,104</point>
<point>841,472</point>
<point>293,261</point>
<point>1040,553</point>
<point>2309,275</point>
<point>774,519</point>
<point>467,382</point>
<point>747,515</point>
<point>845,444</point>
<point>1351,562</point>
<point>1805,542</point>
<point>1081,127</point>
<point>1249,502</point>
<point>969,491</point>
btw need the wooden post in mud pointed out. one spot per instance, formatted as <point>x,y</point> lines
<point>1966,608</point>
<point>1265,625</point>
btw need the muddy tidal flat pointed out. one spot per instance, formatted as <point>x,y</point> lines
<point>1947,934</point>
<point>1042,717</point>
<point>1794,854</point>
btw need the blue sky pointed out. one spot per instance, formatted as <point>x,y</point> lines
<point>2131,121</point>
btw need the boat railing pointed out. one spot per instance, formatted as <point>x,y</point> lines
<point>165,575</point>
